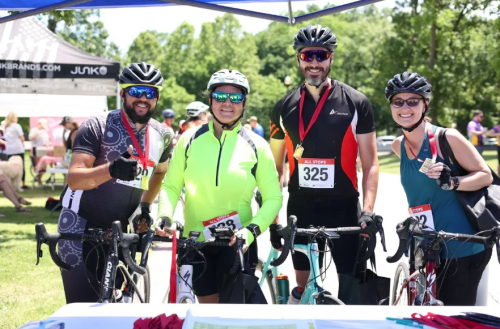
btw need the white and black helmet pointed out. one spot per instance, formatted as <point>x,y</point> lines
<point>195,108</point>
<point>229,77</point>
<point>141,74</point>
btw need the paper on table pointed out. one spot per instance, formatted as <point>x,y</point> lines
<point>199,322</point>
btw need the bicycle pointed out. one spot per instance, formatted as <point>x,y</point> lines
<point>137,278</point>
<point>314,292</point>
<point>418,284</point>
<point>184,272</point>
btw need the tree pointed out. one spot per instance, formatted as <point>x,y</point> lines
<point>148,46</point>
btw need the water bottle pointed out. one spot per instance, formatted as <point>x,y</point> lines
<point>282,289</point>
<point>127,296</point>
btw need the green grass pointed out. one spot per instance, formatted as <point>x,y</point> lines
<point>27,292</point>
<point>390,163</point>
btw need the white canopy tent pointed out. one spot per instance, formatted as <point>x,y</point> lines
<point>39,105</point>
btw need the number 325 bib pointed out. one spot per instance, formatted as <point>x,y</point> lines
<point>316,173</point>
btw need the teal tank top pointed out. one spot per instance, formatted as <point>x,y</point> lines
<point>447,211</point>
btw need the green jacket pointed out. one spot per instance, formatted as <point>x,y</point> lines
<point>220,178</point>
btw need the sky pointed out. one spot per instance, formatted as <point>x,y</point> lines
<point>125,24</point>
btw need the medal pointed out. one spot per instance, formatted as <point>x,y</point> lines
<point>145,182</point>
<point>298,151</point>
<point>426,165</point>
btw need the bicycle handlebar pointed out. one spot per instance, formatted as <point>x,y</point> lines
<point>51,239</point>
<point>412,225</point>
<point>289,232</point>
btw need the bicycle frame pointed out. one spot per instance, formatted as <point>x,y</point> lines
<point>430,289</point>
<point>313,286</point>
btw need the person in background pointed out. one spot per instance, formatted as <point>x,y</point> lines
<point>9,192</point>
<point>475,131</point>
<point>247,126</point>
<point>256,127</point>
<point>197,115</point>
<point>68,123</point>
<point>495,132</point>
<point>14,141</point>
<point>39,137</point>
<point>168,115</point>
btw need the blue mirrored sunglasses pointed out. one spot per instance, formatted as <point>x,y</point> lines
<point>138,91</point>
<point>221,96</point>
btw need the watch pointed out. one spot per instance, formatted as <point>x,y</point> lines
<point>456,182</point>
<point>254,229</point>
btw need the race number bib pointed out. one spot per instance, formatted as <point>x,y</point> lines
<point>316,173</point>
<point>232,221</point>
<point>423,214</point>
<point>143,176</point>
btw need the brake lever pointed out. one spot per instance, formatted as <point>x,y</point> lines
<point>145,252</point>
<point>240,241</point>
<point>498,249</point>
<point>39,251</point>
<point>292,240</point>
<point>381,231</point>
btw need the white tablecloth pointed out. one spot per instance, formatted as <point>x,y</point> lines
<point>122,316</point>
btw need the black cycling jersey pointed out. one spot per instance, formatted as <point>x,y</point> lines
<point>332,139</point>
<point>106,137</point>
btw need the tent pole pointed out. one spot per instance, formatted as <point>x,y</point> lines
<point>291,20</point>
<point>230,10</point>
<point>118,104</point>
<point>334,10</point>
<point>41,10</point>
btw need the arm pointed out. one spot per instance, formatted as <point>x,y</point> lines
<point>82,176</point>
<point>479,173</point>
<point>369,162</point>
<point>493,133</point>
<point>278,152</point>
<point>269,186</point>
<point>476,132</point>
<point>155,183</point>
<point>33,134</point>
<point>396,146</point>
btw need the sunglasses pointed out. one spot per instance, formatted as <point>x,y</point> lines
<point>412,102</point>
<point>138,91</point>
<point>308,55</point>
<point>221,96</point>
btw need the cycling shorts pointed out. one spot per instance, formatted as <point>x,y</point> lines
<point>498,154</point>
<point>330,213</point>
<point>87,260</point>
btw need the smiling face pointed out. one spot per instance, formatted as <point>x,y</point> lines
<point>227,112</point>
<point>315,72</point>
<point>406,115</point>
<point>139,110</point>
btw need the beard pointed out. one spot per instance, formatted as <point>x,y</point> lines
<point>134,117</point>
<point>318,79</point>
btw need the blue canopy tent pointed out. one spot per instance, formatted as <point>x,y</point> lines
<point>34,7</point>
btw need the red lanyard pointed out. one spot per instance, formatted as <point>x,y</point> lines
<point>303,133</point>
<point>432,142</point>
<point>144,157</point>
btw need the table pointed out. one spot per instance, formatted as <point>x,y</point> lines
<point>56,170</point>
<point>111,316</point>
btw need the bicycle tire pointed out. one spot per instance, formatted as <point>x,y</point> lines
<point>401,271</point>
<point>269,282</point>
<point>143,282</point>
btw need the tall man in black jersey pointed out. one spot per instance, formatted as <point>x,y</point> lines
<point>119,161</point>
<point>322,125</point>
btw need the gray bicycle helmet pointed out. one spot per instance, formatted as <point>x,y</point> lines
<point>168,113</point>
<point>143,74</point>
<point>195,108</point>
<point>229,77</point>
<point>315,36</point>
<point>408,82</point>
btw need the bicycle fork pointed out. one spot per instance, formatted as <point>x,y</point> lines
<point>185,279</point>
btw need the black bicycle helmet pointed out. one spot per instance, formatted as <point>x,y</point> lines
<point>315,36</point>
<point>141,74</point>
<point>408,82</point>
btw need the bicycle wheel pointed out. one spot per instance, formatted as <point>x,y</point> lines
<point>270,290</point>
<point>326,298</point>
<point>400,278</point>
<point>143,283</point>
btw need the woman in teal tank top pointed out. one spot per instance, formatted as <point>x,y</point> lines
<point>431,193</point>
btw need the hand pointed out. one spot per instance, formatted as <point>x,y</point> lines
<point>145,222</point>
<point>123,167</point>
<point>442,174</point>
<point>365,219</point>
<point>246,235</point>
<point>163,226</point>
<point>275,237</point>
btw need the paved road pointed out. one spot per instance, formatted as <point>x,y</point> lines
<point>391,204</point>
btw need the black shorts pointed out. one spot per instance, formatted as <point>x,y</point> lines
<point>219,260</point>
<point>498,154</point>
<point>331,213</point>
